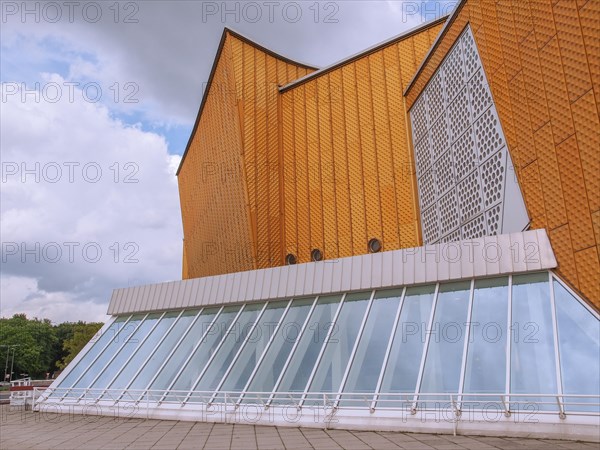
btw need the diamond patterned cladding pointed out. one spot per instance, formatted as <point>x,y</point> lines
<point>436,101</point>
<point>493,218</point>
<point>431,226</point>
<point>454,71</point>
<point>444,173</point>
<point>488,134</point>
<point>419,119</point>
<point>479,94</point>
<point>451,237</point>
<point>429,189</point>
<point>470,200</point>
<point>448,213</point>
<point>475,228</point>
<point>459,115</point>
<point>465,156</point>
<point>457,130</point>
<point>493,177</point>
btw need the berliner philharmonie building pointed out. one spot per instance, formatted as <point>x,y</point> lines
<point>408,239</point>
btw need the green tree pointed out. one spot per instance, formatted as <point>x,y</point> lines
<point>33,342</point>
<point>82,333</point>
<point>40,347</point>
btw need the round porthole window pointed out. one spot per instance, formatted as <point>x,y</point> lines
<point>290,259</point>
<point>316,254</point>
<point>374,245</point>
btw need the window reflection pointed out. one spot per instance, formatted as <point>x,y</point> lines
<point>533,364</point>
<point>486,355</point>
<point>404,361</point>
<point>446,342</point>
<point>578,342</point>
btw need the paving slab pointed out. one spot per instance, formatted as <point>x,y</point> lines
<point>27,430</point>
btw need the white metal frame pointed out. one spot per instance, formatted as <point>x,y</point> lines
<point>388,350</point>
<point>112,380</point>
<point>332,400</point>
<point>174,350</point>
<point>229,328</point>
<point>322,350</point>
<point>150,355</point>
<point>292,352</point>
<point>266,349</point>
<point>239,351</point>
<point>428,331</point>
<point>68,391</point>
<point>190,356</point>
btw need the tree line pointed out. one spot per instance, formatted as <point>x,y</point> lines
<point>40,348</point>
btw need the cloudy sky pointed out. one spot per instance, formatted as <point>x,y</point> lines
<point>98,100</point>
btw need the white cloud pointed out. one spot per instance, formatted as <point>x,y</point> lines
<point>77,181</point>
<point>167,61</point>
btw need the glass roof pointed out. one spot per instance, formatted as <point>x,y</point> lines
<point>519,338</point>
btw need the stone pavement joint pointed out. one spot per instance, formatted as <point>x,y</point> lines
<point>28,430</point>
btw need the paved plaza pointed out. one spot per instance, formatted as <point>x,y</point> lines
<point>27,430</point>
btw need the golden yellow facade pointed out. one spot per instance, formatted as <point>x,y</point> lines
<point>542,59</point>
<point>324,164</point>
<point>229,184</point>
<point>283,162</point>
<point>348,169</point>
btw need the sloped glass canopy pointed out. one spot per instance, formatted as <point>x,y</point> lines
<point>523,339</point>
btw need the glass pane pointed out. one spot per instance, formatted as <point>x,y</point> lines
<point>162,352</point>
<point>100,342</point>
<point>338,349</point>
<point>486,354</point>
<point>443,360</point>
<point>120,340</point>
<point>134,364</point>
<point>234,339</point>
<point>254,348</point>
<point>578,342</point>
<point>272,364</point>
<point>130,347</point>
<point>308,348</point>
<point>183,350</point>
<point>179,357</point>
<point>212,338</point>
<point>533,366</point>
<point>366,367</point>
<point>404,361</point>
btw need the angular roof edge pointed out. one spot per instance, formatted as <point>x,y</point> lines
<point>442,32</point>
<point>241,37</point>
<point>364,53</point>
<point>446,262</point>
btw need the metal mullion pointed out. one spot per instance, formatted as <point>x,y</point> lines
<point>86,349</point>
<point>97,356</point>
<point>117,352</point>
<point>175,347</point>
<point>239,352</point>
<point>559,385</point>
<point>426,345</point>
<point>187,361</point>
<point>508,347</point>
<point>354,349</point>
<point>466,345</point>
<point>233,322</point>
<point>388,350</point>
<point>135,375</point>
<point>264,353</point>
<point>134,353</point>
<point>293,350</point>
<point>323,347</point>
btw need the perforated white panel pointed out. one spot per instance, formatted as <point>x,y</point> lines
<point>460,151</point>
